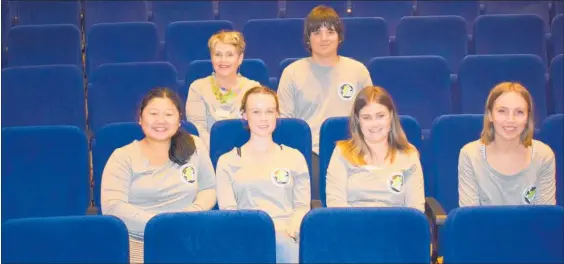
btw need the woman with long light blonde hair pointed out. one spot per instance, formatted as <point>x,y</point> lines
<point>377,167</point>
<point>506,166</point>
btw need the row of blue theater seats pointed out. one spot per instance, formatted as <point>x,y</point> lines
<point>187,41</point>
<point>239,12</point>
<point>505,234</point>
<point>420,85</point>
<point>55,159</point>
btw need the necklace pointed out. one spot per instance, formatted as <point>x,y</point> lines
<point>223,95</point>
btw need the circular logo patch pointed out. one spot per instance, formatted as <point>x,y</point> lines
<point>529,195</point>
<point>346,91</point>
<point>280,176</point>
<point>188,173</point>
<point>395,183</point>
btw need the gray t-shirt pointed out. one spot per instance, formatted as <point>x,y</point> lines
<point>279,187</point>
<point>398,185</point>
<point>203,109</point>
<point>314,93</point>
<point>480,184</point>
<point>135,192</point>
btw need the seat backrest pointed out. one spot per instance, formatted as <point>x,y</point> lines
<point>44,45</point>
<point>557,35</point>
<point>557,83</point>
<point>239,12</point>
<point>228,134</point>
<point>283,37</point>
<point>253,69</point>
<point>334,129</point>
<point>45,172</point>
<point>188,41</point>
<point>215,237</point>
<point>65,239</point>
<point>419,85</point>
<point>443,36</point>
<point>551,133</point>
<point>116,90</point>
<point>504,234</point>
<point>480,73</point>
<point>447,137</point>
<point>540,8</point>
<point>510,34</point>
<point>300,9</point>
<point>365,235</point>
<point>469,10</point>
<point>111,137</point>
<point>113,12</point>
<point>121,42</point>
<point>365,38</point>
<point>166,12</point>
<point>391,11</point>
<point>48,12</point>
<point>43,95</point>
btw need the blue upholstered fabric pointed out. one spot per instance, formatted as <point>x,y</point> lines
<point>334,129</point>
<point>287,42</point>
<point>365,38</point>
<point>47,12</point>
<point>444,36</point>
<point>227,134</point>
<point>419,85</point>
<point>210,237</point>
<point>239,12</point>
<point>45,172</point>
<point>44,45</point>
<point>540,8</point>
<point>43,95</point>
<point>166,12</point>
<point>557,83</point>
<point>113,12</point>
<point>66,239</point>
<point>365,235</point>
<point>121,42</point>
<point>557,36</point>
<point>480,73</point>
<point>112,136</point>
<point>469,10</point>
<point>117,89</point>
<point>551,133</point>
<point>448,135</point>
<point>504,234</point>
<point>301,9</point>
<point>510,34</point>
<point>391,11</point>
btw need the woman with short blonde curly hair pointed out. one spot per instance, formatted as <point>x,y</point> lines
<point>218,96</point>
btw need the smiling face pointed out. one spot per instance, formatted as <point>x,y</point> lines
<point>261,114</point>
<point>375,121</point>
<point>509,116</point>
<point>324,42</point>
<point>225,59</point>
<point>159,119</point>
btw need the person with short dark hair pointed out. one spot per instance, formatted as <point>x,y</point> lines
<point>324,84</point>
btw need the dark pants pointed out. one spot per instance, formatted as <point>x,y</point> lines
<point>315,200</point>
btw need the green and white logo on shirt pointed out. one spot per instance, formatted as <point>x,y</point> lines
<point>188,173</point>
<point>395,183</point>
<point>529,195</point>
<point>346,91</point>
<point>280,176</point>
